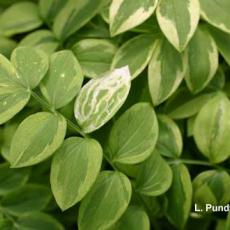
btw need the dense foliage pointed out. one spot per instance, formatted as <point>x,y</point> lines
<point>114,114</point>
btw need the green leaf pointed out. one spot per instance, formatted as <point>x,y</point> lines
<point>169,143</point>
<point>31,65</point>
<point>30,198</point>
<point>101,98</point>
<point>154,176</point>
<point>134,218</point>
<point>216,13</point>
<point>126,143</point>
<point>165,72</point>
<point>178,20</point>
<point>74,169</point>
<point>202,57</point>
<point>6,46</point>
<point>11,179</point>
<point>36,138</point>
<point>179,196</point>
<point>143,45</point>
<point>218,81</point>
<point>104,13</point>
<point>211,129</point>
<point>184,104</point>
<point>94,55</point>
<point>63,80</point>
<point>106,202</point>
<point>125,15</point>
<point>74,15</point>
<point>42,39</point>
<point>38,221</point>
<point>222,40</point>
<point>19,18</point>
<point>13,97</point>
<point>211,187</point>
<point>49,9</point>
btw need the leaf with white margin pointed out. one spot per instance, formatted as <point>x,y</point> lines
<point>49,9</point>
<point>222,40</point>
<point>127,144</point>
<point>36,138</point>
<point>202,57</point>
<point>19,18</point>
<point>126,14</point>
<point>179,196</point>
<point>31,65</point>
<point>216,13</point>
<point>134,218</point>
<point>101,98</point>
<point>169,143</point>
<point>178,20</point>
<point>63,80</point>
<point>38,221</point>
<point>13,96</point>
<point>74,15</point>
<point>135,53</point>
<point>74,169</point>
<point>183,104</point>
<point>42,39</point>
<point>95,55</point>
<point>154,176</point>
<point>211,129</point>
<point>106,201</point>
<point>165,72</point>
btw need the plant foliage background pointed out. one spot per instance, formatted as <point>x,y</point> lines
<point>114,114</point>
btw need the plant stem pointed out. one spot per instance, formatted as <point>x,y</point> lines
<point>110,162</point>
<point>45,104</point>
<point>196,162</point>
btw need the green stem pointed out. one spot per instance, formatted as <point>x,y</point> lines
<point>46,105</point>
<point>75,127</point>
<point>110,162</point>
<point>196,162</point>
<point>42,102</point>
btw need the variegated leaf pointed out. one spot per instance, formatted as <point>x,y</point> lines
<point>36,138</point>
<point>126,14</point>
<point>202,56</point>
<point>211,187</point>
<point>126,143</point>
<point>184,104</point>
<point>111,193</point>
<point>136,53</point>
<point>31,65</point>
<point>74,15</point>
<point>211,129</point>
<point>154,176</point>
<point>74,169</point>
<point>19,18</point>
<point>166,71</point>
<point>42,39</point>
<point>222,40</point>
<point>179,196</point>
<point>169,143</point>
<point>13,96</point>
<point>95,56</point>
<point>216,13</point>
<point>63,80</point>
<point>134,218</point>
<point>101,98</point>
<point>178,20</point>
<point>50,8</point>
